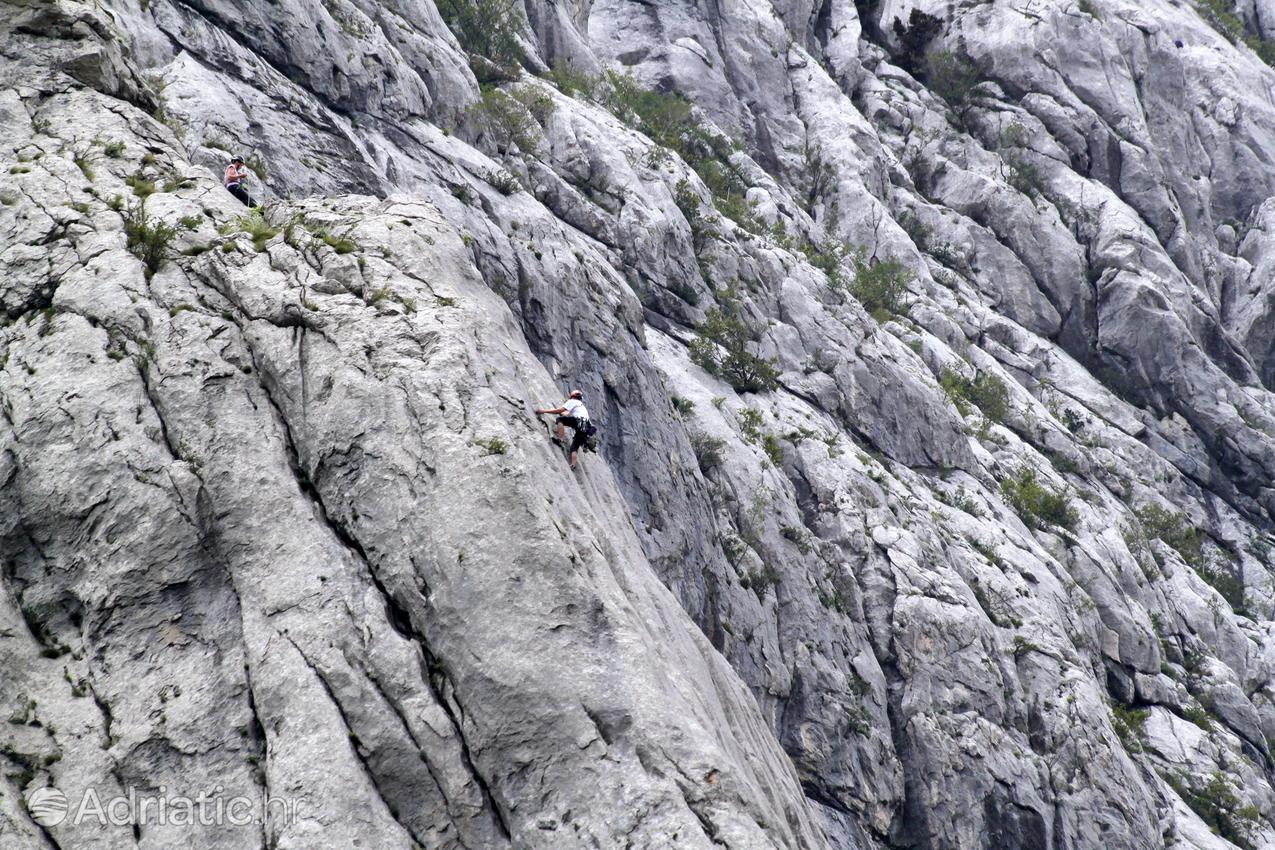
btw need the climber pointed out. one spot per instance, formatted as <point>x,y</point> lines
<point>575,415</point>
<point>236,175</point>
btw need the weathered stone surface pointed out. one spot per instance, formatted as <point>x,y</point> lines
<point>277,517</point>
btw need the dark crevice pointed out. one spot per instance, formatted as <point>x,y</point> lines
<point>440,685</point>
<point>355,745</point>
<point>397,615</point>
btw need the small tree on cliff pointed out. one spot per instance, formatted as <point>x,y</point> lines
<point>722,349</point>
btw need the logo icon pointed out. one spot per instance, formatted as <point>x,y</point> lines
<point>47,806</point>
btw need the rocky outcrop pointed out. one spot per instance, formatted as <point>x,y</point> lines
<point>988,565</point>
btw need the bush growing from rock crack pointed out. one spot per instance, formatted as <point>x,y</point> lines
<point>1175,530</point>
<point>492,445</point>
<point>1220,15</point>
<point>829,256</point>
<point>141,187</point>
<point>1025,177</point>
<point>487,28</point>
<point>760,581</point>
<point>708,451</point>
<point>881,288</point>
<point>986,392</point>
<point>1037,506</point>
<point>147,239</point>
<point>951,77</point>
<point>513,119</point>
<point>1199,716</point>
<point>914,37</point>
<point>1220,808</point>
<point>84,162</point>
<point>721,349</point>
<point>571,82</point>
<point>257,225</point>
<point>1227,581</point>
<point>669,119</point>
<point>339,244</point>
<point>503,182</point>
<point>774,451</point>
<point>1130,725</point>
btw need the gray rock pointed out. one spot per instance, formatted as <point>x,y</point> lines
<point>275,515</point>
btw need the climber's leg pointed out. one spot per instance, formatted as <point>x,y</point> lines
<point>241,193</point>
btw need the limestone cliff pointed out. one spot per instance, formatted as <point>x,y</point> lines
<point>969,546</point>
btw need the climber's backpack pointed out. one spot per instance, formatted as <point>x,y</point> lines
<point>590,435</point>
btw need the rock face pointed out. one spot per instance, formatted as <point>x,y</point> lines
<point>987,566</point>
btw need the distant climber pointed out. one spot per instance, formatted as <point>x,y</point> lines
<point>236,176</point>
<point>574,415</point>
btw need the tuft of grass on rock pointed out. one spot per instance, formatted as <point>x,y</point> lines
<point>147,239</point>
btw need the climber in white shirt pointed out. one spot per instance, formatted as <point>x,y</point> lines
<point>575,415</point>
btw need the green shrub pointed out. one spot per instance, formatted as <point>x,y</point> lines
<point>174,183</point>
<point>1225,581</point>
<point>1130,724</point>
<point>721,349</point>
<point>1264,48</point>
<point>1022,646</point>
<point>258,227</point>
<point>1174,530</point>
<point>1199,716</point>
<point>800,536</point>
<point>683,406</point>
<point>770,445</point>
<point>257,166</point>
<point>339,244</point>
<point>1219,807</point>
<point>503,182</point>
<point>986,392</point>
<point>688,203</point>
<point>829,257</point>
<point>1025,177</point>
<point>709,451</point>
<point>492,445</point>
<point>881,288</point>
<point>914,37</point>
<point>85,164</point>
<point>1037,506</point>
<point>147,240</point>
<point>669,120</point>
<point>1220,15</point>
<point>571,82</point>
<point>750,422</point>
<point>114,149</point>
<point>508,119</point>
<point>141,187</point>
<point>487,28</point>
<point>761,580</point>
<point>951,77</point>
